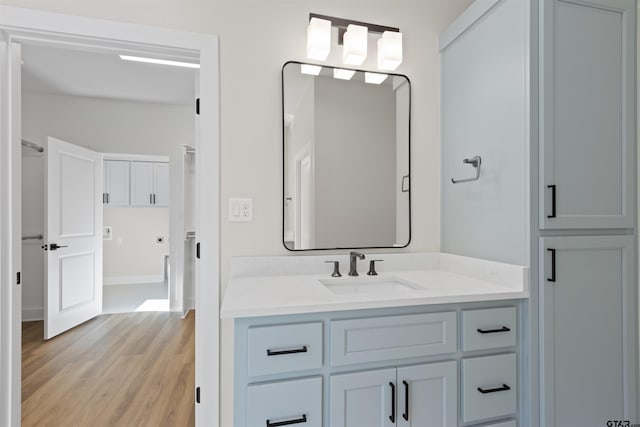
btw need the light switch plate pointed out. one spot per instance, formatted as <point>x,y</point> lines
<point>240,210</point>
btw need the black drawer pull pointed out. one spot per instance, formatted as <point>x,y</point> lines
<point>303,419</point>
<point>494,390</point>
<point>493,331</point>
<point>303,349</point>
<point>392,417</point>
<point>406,401</point>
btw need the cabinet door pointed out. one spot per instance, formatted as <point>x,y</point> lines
<point>363,399</point>
<point>427,395</point>
<point>587,153</point>
<point>588,320</point>
<point>161,184</point>
<point>141,183</point>
<point>116,182</point>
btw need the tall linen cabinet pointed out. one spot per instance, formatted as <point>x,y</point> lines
<point>544,91</point>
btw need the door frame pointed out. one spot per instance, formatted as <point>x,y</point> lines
<point>59,30</point>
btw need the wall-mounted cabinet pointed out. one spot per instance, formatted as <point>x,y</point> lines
<point>149,184</point>
<point>136,183</point>
<point>116,183</point>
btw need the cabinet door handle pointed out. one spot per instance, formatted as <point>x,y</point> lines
<point>150,198</point>
<point>406,401</point>
<point>553,201</point>
<point>553,266</point>
<point>302,349</point>
<point>392,417</point>
<point>154,198</point>
<point>494,390</point>
<point>108,198</point>
<point>493,331</point>
<point>302,419</point>
<point>104,198</point>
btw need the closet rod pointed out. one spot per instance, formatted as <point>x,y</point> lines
<point>32,145</point>
<point>33,237</point>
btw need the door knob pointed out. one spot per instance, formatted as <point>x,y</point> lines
<point>54,246</point>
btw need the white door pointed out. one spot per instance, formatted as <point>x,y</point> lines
<point>161,184</point>
<point>116,182</point>
<point>141,183</point>
<point>73,279</point>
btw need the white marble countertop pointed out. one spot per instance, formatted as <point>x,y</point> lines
<point>265,286</point>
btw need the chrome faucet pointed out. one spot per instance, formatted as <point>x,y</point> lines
<point>353,270</point>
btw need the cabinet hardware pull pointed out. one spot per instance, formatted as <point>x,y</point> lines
<point>406,401</point>
<point>553,266</point>
<point>553,201</point>
<point>493,331</point>
<point>303,349</point>
<point>108,198</point>
<point>150,198</point>
<point>104,198</point>
<point>302,419</point>
<point>494,390</point>
<point>154,198</point>
<point>392,417</point>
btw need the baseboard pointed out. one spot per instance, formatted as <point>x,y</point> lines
<point>132,280</point>
<point>31,314</point>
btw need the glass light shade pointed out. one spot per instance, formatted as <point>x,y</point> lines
<point>318,39</point>
<point>312,70</point>
<point>340,73</point>
<point>355,45</point>
<point>390,50</point>
<point>374,78</point>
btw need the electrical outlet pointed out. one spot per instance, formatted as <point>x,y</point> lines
<point>107,233</point>
<point>160,239</point>
<point>240,210</point>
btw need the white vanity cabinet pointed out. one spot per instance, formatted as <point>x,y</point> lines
<point>116,183</point>
<point>149,184</point>
<point>403,366</point>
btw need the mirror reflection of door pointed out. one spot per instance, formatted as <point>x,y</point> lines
<point>305,202</point>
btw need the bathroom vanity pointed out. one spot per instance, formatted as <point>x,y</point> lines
<point>433,339</point>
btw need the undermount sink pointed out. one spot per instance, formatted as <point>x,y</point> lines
<point>375,284</point>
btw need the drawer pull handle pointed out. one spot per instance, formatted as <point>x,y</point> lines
<point>494,390</point>
<point>303,349</point>
<point>300,420</point>
<point>406,401</point>
<point>392,417</point>
<point>493,331</point>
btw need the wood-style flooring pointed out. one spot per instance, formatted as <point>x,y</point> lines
<point>134,369</point>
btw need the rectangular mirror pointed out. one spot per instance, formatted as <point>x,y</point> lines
<point>346,159</point>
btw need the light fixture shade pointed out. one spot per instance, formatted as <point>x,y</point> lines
<point>318,39</point>
<point>375,78</point>
<point>312,70</point>
<point>390,50</point>
<point>355,45</point>
<point>342,74</point>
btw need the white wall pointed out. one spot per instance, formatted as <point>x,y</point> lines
<point>256,38</point>
<point>105,126</point>
<point>133,255</point>
<point>354,164</point>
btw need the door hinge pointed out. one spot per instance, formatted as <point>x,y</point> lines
<point>198,250</point>
<point>197,394</point>
<point>198,106</point>
<point>18,278</point>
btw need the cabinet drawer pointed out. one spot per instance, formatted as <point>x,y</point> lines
<point>284,348</point>
<point>490,328</point>
<point>298,401</point>
<point>394,337</point>
<point>489,387</point>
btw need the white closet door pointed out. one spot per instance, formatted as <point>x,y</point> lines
<point>141,183</point>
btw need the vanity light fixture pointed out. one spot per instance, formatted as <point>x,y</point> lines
<point>159,61</point>
<point>390,50</point>
<point>318,38</point>
<point>312,70</point>
<point>342,74</point>
<point>374,78</point>
<point>354,50</point>
<point>353,35</point>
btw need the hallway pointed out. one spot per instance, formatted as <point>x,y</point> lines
<point>133,369</point>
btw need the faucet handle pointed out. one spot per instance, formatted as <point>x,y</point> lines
<point>336,269</point>
<point>372,267</point>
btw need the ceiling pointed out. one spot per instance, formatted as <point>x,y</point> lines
<point>104,75</point>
